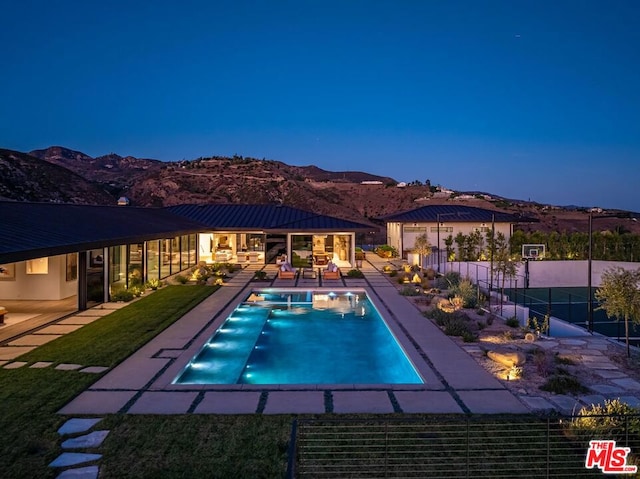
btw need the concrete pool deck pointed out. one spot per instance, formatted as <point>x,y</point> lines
<point>142,384</point>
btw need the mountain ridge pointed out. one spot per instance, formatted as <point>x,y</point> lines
<point>148,182</point>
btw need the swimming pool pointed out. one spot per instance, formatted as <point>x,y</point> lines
<point>302,337</point>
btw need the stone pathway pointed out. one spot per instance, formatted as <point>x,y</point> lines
<point>611,381</point>
<point>76,432</point>
<point>59,367</point>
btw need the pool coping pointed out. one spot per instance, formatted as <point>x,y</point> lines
<point>454,382</point>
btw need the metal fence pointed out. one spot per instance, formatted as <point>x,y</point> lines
<point>452,447</point>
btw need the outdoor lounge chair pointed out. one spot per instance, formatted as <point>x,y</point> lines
<point>286,274</point>
<point>331,274</point>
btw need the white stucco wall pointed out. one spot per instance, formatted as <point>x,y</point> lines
<point>50,286</point>
<point>544,274</point>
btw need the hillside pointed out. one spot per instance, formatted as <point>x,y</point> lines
<point>62,174</point>
<point>25,178</point>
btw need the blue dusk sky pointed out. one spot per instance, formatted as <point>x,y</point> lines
<point>533,100</point>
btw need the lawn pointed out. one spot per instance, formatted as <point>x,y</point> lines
<point>29,398</point>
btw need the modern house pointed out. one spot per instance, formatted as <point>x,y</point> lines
<point>52,251</point>
<point>260,233</point>
<point>440,222</point>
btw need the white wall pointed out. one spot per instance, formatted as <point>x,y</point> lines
<point>544,274</point>
<point>50,286</point>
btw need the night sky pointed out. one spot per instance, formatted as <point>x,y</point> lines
<point>531,100</point>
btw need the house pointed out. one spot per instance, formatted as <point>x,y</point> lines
<point>53,251</point>
<point>260,233</point>
<point>439,222</point>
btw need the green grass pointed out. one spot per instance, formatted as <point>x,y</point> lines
<point>30,398</point>
<point>111,339</point>
<point>250,446</point>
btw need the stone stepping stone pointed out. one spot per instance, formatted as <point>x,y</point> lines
<point>68,367</point>
<point>76,425</point>
<point>566,404</point>
<point>91,440</point>
<point>94,369</point>
<point>40,365</point>
<point>573,342</point>
<point>609,374</point>
<point>547,344</point>
<point>606,389</point>
<point>627,383</point>
<point>2,363</point>
<point>67,459</point>
<point>536,403</point>
<point>89,472</point>
<point>15,365</point>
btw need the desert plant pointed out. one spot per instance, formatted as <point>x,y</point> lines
<point>355,273</point>
<point>137,291</point>
<point>410,291</point>
<point>466,290</point>
<point>181,279</point>
<point>154,283</point>
<point>456,326</point>
<point>614,419</point>
<point>539,327</point>
<point>512,322</point>
<point>260,275</point>
<point>563,384</point>
<point>122,295</point>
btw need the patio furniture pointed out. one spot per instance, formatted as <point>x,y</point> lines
<point>309,273</point>
<point>286,274</point>
<point>331,274</point>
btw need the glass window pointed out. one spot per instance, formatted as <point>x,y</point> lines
<point>192,249</point>
<point>165,258</point>
<point>38,266</point>
<point>175,255</point>
<point>153,259</point>
<point>117,268</point>
<point>135,268</point>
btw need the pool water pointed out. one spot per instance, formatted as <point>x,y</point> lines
<point>302,338</point>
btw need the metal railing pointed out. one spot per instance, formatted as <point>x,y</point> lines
<point>451,447</point>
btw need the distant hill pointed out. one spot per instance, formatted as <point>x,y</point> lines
<point>26,178</point>
<point>61,174</point>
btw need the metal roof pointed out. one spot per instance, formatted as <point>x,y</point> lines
<point>33,230</point>
<point>454,213</point>
<point>268,218</point>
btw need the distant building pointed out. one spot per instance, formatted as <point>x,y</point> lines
<point>123,201</point>
<point>402,184</point>
<point>371,182</point>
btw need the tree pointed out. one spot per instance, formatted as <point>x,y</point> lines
<point>422,247</point>
<point>619,296</point>
<point>503,266</point>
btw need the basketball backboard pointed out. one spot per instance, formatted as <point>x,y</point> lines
<point>533,251</point>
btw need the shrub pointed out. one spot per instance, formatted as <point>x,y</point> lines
<point>608,421</point>
<point>355,273</point>
<point>410,291</point>
<point>563,384</point>
<point>393,273</point>
<point>512,322</point>
<point>430,274</point>
<point>122,295</point>
<point>230,267</point>
<point>260,275</point>
<point>154,284</point>
<point>386,251</point>
<point>136,291</point>
<point>469,337</point>
<point>181,279</point>
<point>456,326</point>
<point>466,290</point>
<point>563,360</point>
<point>437,315</point>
